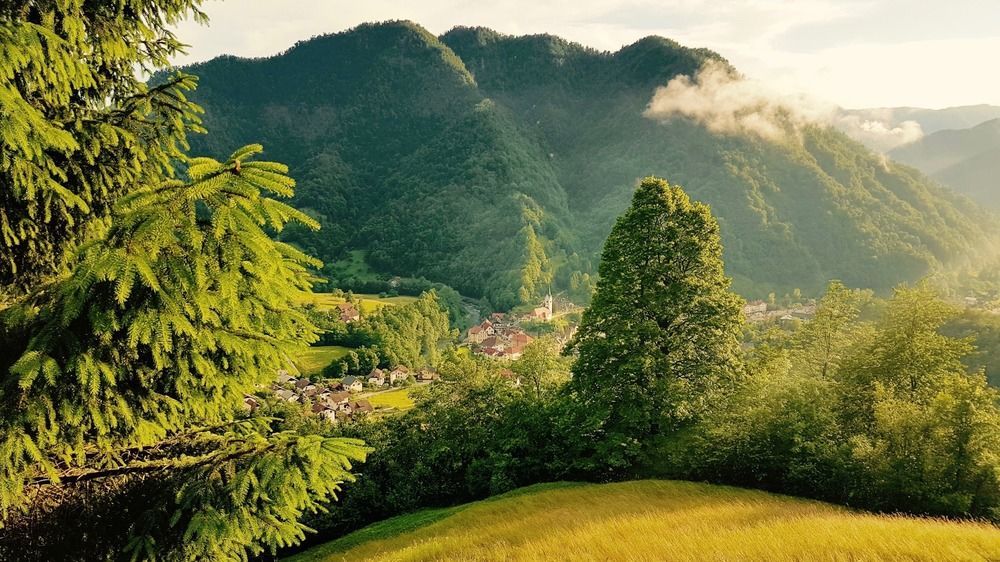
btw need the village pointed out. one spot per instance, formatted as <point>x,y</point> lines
<point>502,336</point>
<point>346,400</point>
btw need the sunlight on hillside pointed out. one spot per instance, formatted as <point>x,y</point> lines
<point>368,303</point>
<point>658,520</point>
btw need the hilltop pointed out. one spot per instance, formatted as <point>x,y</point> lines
<point>656,520</point>
<point>497,164</point>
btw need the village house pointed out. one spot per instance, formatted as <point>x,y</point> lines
<point>399,375</point>
<point>427,375</point>
<point>492,342</point>
<point>376,377</point>
<point>284,377</point>
<point>302,383</point>
<point>348,312</point>
<point>352,384</point>
<point>477,334</point>
<point>287,395</point>
<point>338,399</point>
<point>362,407</point>
<point>518,342</point>
<point>251,403</point>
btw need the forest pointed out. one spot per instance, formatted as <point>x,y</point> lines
<point>398,138</point>
<point>145,292</point>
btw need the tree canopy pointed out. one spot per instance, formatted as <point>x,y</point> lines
<point>662,330</point>
<point>143,298</point>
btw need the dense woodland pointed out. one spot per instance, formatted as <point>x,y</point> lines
<point>144,292</point>
<point>445,156</point>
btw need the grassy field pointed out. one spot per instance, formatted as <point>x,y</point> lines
<point>657,520</point>
<point>398,399</point>
<point>366,303</point>
<point>313,360</point>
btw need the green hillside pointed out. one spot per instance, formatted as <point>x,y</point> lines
<point>657,520</point>
<point>497,164</point>
<point>967,160</point>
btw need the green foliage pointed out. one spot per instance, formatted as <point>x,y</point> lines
<point>143,298</point>
<point>410,334</point>
<point>541,368</point>
<point>78,128</point>
<point>515,179</point>
<point>663,329</point>
<point>889,420</point>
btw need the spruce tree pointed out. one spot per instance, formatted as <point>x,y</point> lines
<point>141,297</point>
<point>662,330</point>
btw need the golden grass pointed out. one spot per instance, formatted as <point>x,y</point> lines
<point>366,303</point>
<point>313,360</point>
<point>660,520</point>
<point>397,399</point>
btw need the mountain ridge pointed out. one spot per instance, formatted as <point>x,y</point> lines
<point>498,163</point>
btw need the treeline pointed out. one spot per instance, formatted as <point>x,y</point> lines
<point>412,335</point>
<point>868,405</point>
<point>448,298</point>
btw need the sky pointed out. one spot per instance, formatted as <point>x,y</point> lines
<point>854,53</point>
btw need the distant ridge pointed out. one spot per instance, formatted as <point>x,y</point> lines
<point>497,163</point>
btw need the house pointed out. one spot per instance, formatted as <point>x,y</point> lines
<point>755,309</point>
<point>376,377</point>
<point>362,406</point>
<point>497,317</point>
<point>302,383</point>
<point>337,399</point>
<point>399,375</point>
<point>427,375</point>
<point>287,395</point>
<point>329,414</point>
<point>348,312</point>
<point>492,342</point>
<point>479,333</point>
<point>250,402</point>
<point>352,384</point>
<point>284,377</point>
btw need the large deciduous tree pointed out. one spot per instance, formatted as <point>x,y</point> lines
<point>141,297</point>
<point>662,330</point>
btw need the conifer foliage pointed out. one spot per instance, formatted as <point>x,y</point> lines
<point>141,297</point>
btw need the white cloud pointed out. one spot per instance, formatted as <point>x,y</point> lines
<point>732,105</point>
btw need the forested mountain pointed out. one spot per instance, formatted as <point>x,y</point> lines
<point>967,160</point>
<point>497,164</point>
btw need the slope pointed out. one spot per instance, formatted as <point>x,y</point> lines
<point>967,160</point>
<point>497,164</point>
<point>793,214</point>
<point>657,520</point>
<point>395,151</point>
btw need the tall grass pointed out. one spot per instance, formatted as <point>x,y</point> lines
<point>660,520</point>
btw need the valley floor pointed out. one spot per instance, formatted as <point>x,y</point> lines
<point>657,520</point>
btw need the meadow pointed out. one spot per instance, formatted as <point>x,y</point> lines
<point>313,360</point>
<point>657,520</point>
<point>366,303</point>
<point>399,400</point>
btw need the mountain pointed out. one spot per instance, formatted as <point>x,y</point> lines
<point>498,164</point>
<point>968,160</point>
<point>658,520</point>
<point>931,120</point>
